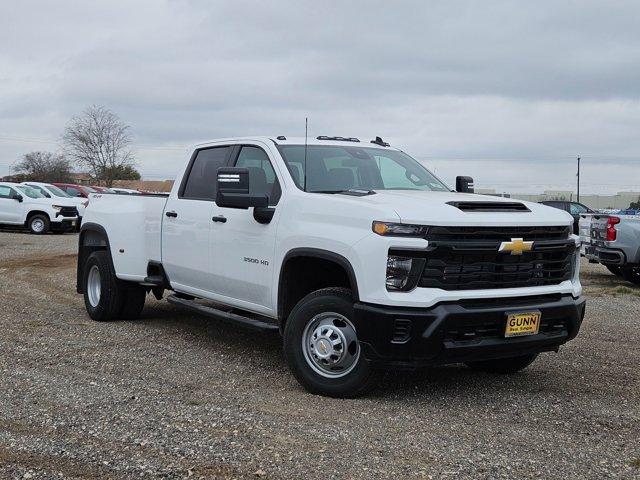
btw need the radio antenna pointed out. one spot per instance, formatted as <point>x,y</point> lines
<point>304,167</point>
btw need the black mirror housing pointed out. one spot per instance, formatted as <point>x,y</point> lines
<point>18,197</point>
<point>464,184</point>
<point>233,189</point>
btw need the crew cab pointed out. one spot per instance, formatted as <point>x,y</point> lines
<point>25,206</point>
<point>354,252</point>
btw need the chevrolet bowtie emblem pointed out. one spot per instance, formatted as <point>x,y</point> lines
<point>516,246</point>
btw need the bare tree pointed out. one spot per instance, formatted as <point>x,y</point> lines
<point>99,140</point>
<point>43,167</point>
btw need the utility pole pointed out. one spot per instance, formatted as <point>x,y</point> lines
<point>578,175</point>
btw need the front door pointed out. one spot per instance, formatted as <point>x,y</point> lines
<point>242,251</point>
<point>187,225</point>
<point>10,209</point>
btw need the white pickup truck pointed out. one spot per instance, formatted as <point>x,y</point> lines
<point>21,205</point>
<point>360,257</point>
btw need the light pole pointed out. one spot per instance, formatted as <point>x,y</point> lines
<point>578,175</point>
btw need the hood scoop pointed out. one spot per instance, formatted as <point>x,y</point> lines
<point>490,206</point>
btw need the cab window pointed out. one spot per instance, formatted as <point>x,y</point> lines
<point>6,192</point>
<point>203,174</point>
<point>577,209</point>
<point>262,177</point>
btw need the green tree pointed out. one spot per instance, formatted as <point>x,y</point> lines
<point>121,172</point>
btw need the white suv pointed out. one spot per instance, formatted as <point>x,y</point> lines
<point>22,205</point>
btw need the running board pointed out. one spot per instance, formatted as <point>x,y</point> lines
<point>246,322</point>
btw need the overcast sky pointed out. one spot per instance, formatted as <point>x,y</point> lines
<point>508,92</point>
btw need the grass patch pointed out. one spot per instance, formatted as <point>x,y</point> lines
<point>636,463</point>
<point>622,290</point>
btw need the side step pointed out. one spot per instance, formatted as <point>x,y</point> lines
<point>153,281</point>
<point>246,322</point>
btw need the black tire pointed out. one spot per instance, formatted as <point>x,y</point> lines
<point>631,274</point>
<point>617,270</point>
<point>38,224</point>
<point>503,365</point>
<point>360,378</point>
<point>116,299</point>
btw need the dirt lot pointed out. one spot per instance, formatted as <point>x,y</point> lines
<point>176,395</point>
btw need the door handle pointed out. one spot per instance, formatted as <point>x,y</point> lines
<point>219,218</point>
<point>171,214</point>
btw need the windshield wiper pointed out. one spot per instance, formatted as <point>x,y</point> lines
<point>351,191</point>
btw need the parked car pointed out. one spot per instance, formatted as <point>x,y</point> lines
<point>76,190</point>
<point>102,189</point>
<point>357,254</point>
<point>23,205</point>
<point>51,191</point>
<point>613,241</point>
<point>574,208</point>
<point>125,191</point>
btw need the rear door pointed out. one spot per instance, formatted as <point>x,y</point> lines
<point>187,224</point>
<point>242,251</point>
<point>10,209</point>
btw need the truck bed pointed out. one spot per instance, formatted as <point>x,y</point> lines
<point>134,223</point>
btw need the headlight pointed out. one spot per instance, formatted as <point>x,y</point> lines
<point>399,229</point>
<point>57,207</point>
<point>403,273</point>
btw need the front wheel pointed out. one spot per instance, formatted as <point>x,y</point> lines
<point>321,346</point>
<point>38,224</point>
<point>503,365</point>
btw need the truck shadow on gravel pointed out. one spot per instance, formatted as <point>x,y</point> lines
<point>262,353</point>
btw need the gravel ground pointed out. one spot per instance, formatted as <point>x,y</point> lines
<point>175,395</point>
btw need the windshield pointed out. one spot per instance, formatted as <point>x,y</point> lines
<point>58,192</point>
<point>30,192</point>
<point>337,168</point>
<point>90,190</point>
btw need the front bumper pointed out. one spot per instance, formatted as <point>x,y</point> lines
<point>65,225</point>
<point>463,331</point>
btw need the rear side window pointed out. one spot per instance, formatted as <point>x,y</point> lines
<point>201,182</point>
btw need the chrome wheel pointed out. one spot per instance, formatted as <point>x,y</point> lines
<point>37,225</point>
<point>330,345</point>
<point>93,286</point>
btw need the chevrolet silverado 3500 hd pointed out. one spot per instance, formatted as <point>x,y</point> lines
<point>358,255</point>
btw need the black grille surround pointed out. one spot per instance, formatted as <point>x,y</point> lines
<point>67,212</point>
<point>468,258</point>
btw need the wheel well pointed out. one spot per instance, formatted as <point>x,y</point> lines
<point>36,212</point>
<point>90,241</point>
<point>303,274</point>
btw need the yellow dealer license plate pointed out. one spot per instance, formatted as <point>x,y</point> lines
<point>521,324</point>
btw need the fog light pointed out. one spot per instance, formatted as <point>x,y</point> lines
<point>398,271</point>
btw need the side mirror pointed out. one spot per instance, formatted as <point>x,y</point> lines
<point>18,197</point>
<point>233,189</point>
<point>78,194</point>
<point>464,184</point>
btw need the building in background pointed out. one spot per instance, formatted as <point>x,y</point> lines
<point>620,200</point>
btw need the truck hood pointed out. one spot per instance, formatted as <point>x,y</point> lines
<point>433,208</point>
